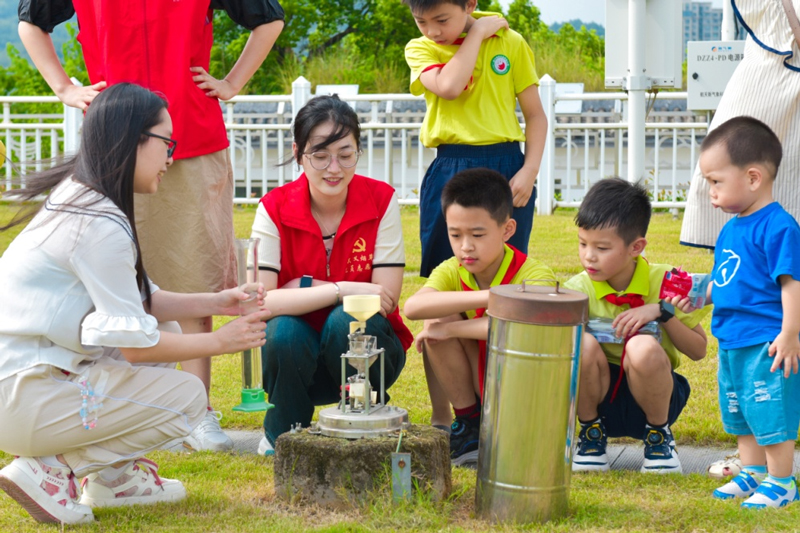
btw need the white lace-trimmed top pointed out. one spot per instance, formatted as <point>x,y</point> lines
<point>68,286</point>
<point>765,85</point>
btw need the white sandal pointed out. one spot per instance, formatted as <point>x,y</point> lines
<point>731,466</point>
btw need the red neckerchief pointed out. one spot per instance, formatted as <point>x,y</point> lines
<point>513,268</point>
<point>634,300</point>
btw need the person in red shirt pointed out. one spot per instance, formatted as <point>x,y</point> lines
<point>326,235</point>
<point>186,232</point>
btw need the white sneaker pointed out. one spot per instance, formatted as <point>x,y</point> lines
<point>742,486</point>
<point>208,435</point>
<point>770,494</point>
<point>139,483</point>
<point>48,493</point>
<point>265,448</point>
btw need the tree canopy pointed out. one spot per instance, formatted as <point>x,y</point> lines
<point>348,41</point>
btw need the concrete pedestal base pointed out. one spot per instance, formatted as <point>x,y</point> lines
<point>330,471</point>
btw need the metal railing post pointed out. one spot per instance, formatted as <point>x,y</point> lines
<point>546,181</point>
<point>73,118</point>
<point>301,93</point>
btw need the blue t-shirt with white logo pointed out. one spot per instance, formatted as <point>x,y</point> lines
<point>750,255</point>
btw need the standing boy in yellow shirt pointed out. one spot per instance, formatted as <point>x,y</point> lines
<point>472,70</point>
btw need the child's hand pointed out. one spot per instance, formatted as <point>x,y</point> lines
<point>213,87</point>
<point>229,301</point>
<point>522,186</point>
<point>682,303</point>
<point>629,322</point>
<point>488,26</point>
<point>433,332</point>
<point>786,351</point>
<point>244,333</point>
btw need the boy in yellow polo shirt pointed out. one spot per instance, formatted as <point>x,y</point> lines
<point>629,389</point>
<point>472,70</point>
<point>477,204</point>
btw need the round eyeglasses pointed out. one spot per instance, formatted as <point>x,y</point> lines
<point>171,143</point>
<point>322,160</point>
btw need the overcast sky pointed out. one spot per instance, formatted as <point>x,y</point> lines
<point>586,10</point>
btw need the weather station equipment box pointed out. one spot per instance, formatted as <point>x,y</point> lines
<point>664,25</point>
<point>709,67</point>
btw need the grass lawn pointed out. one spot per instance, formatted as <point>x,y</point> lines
<point>235,493</point>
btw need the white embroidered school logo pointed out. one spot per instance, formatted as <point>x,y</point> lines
<point>500,64</point>
<point>727,269</point>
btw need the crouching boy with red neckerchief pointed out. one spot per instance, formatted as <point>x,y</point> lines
<point>477,205</point>
<point>629,389</point>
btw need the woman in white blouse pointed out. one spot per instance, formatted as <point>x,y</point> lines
<point>87,342</point>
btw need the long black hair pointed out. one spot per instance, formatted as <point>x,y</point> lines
<point>320,110</point>
<point>113,129</point>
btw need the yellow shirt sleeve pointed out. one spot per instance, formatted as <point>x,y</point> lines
<point>534,270</point>
<point>419,56</point>
<point>524,71</point>
<point>445,277</point>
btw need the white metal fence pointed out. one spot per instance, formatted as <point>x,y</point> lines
<point>581,147</point>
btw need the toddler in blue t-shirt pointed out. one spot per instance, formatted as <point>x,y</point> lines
<point>756,297</point>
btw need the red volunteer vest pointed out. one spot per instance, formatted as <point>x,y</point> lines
<point>516,263</point>
<point>153,43</point>
<point>302,248</point>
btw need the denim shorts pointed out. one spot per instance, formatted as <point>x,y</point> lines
<point>505,158</point>
<point>755,401</point>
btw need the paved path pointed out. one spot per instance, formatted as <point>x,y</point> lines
<point>694,459</point>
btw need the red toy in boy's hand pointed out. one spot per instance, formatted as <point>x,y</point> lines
<point>676,283</point>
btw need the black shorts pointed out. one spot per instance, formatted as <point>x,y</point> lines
<point>624,418</point>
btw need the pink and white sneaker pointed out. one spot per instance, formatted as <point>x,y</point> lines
<point>48,493</point>
<point>139,483</point>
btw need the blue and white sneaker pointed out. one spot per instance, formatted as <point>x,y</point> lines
<point>464,438</point>
<point>770,494</point>
<point>265,448</point>
<point>660,456</point>
<point>591,453</point>
<point>742,486</point>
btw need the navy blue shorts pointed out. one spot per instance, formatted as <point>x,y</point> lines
<point>624,418</point>
<point>505,158</point>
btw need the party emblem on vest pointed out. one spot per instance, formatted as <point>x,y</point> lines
<point>500,64</point>
<point>359,246</point>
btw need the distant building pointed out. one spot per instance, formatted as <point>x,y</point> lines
<point>703,22</point>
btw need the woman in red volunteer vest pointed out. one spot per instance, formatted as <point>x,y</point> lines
<point>328,234</point>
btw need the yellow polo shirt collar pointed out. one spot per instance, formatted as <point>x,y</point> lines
<point>481,14</point>
<point>639,284</point>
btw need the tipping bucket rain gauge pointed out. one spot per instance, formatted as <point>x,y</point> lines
<point>362,411</point>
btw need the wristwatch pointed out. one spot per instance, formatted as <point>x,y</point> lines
<point>667,311</point>
<point>306,281</point>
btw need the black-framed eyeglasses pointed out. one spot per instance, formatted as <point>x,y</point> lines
<point>171,143</point>
<point>322,160</point>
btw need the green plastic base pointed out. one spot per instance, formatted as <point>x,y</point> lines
<point>253,401</point>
